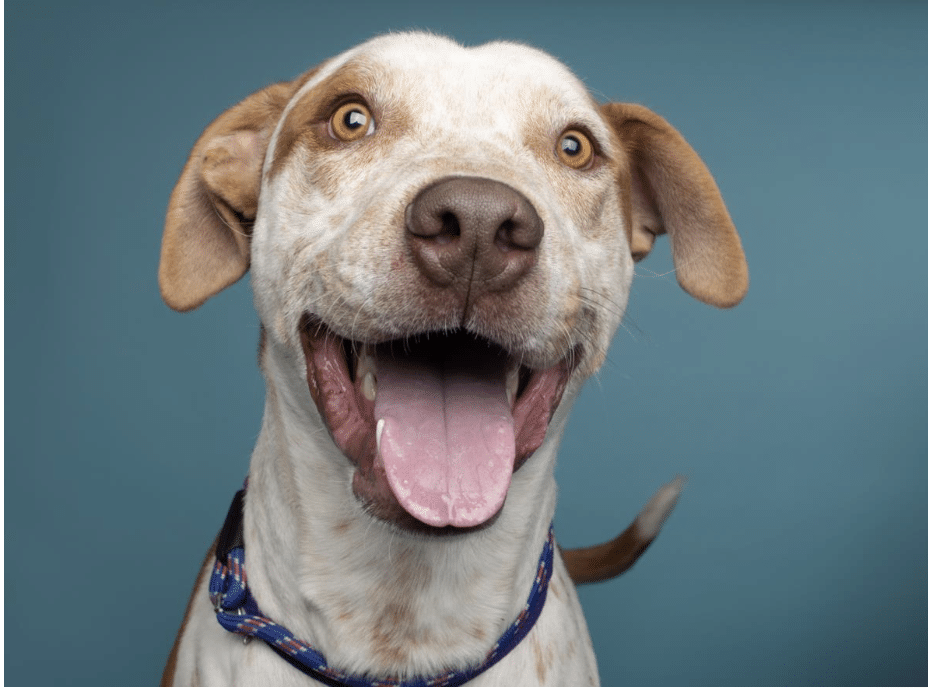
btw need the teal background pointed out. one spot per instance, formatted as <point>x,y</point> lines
<point>799,552</point>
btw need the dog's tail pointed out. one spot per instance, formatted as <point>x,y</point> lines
<point>605,561</point>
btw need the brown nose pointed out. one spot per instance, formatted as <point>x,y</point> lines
<point>473,230</point>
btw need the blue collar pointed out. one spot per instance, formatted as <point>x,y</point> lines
<point>237,612</point>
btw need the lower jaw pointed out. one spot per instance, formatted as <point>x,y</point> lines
<point>349,416</point>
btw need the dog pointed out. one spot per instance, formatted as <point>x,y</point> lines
<point>441,241</point>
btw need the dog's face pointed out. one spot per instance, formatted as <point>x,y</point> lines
<point>335,231</point>
<point>442,242</point>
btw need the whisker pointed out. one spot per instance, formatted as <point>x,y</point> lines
<point>359,311</point>
<point>601,301</point>
<point>639,272</point>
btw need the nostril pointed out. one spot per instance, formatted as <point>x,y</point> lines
<point>522,232</point>
<point>450,226</point>
<point>504,235</point>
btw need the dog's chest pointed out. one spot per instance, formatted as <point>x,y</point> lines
<point>557,651</point>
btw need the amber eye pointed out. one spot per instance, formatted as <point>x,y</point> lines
<point>350,122</point>
<point>575,150</point>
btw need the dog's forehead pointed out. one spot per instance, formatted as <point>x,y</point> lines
<point>431,71</point>
<point>440,60</point>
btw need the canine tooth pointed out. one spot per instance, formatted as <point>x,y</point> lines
<point>512,383</point>
<point>365,362</point>
<point>369,386</point>
<point>379,433</point>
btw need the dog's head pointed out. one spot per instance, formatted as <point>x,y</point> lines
<point>442,241</point>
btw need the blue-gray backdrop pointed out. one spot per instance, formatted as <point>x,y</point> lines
<point>798,553</point>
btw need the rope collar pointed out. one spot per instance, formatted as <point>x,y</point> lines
<point>238,612</point>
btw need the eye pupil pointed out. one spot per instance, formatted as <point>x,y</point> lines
<point>571,146</point>
<point>355,119</point>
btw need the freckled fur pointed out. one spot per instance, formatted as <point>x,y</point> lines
<point>326,237</point>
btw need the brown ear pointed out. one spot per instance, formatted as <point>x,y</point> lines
<point>673,191</point>
<point>207,234</point>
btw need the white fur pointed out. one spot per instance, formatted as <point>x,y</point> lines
<point>317,562</point>
<point>451,90</point>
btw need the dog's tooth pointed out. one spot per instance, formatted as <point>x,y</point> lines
<point>379,433</point>
<point>512,383</point>
<point>365,363</point>
<point>366,371</point>
<point>360,362</point>
<point>369,386</point>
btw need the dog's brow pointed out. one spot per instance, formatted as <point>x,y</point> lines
<point>312,106</point>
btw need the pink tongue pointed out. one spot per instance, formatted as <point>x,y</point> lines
<point>446,434</point>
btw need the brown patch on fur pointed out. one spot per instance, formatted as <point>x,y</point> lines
<point>540,139</point>
<point>167,676</point>
<point>306,125</point>
<point>477,632</point>
<point>395,630</point>
<point>541,134</point>
<point>308,117</point>
<point>585,207</point>
<point>391,634</point>
<point>541,664</point>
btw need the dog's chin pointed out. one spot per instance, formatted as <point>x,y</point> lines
<point>435,424</point>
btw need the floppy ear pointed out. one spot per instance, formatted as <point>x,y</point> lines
<point>207,234</point>
<point>673,191</point>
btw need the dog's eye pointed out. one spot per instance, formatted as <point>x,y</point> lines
<point>575,149</point>
<point>350,122</point>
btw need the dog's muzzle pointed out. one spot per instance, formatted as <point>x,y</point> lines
<point>438,422</point>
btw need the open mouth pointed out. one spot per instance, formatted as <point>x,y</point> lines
<point>435,424</point>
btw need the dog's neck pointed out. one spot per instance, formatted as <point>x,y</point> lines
<point>371,597</point>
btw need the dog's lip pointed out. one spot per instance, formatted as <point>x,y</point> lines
<point>349,413</point>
